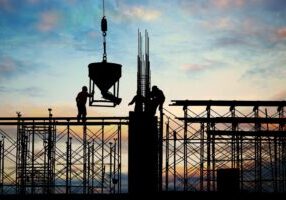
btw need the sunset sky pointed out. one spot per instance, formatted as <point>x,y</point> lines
<point>199,49</point>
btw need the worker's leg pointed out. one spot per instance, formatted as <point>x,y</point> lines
<point>83,114</point>
<point>78,113</point>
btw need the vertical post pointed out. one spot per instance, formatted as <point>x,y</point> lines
<point>84,158</point>
<point>258,161</point>
<point>88,168</point>
<point>68,158</point>
<point>18,155</point>
<point>33,158</point>
<point>273,164</point>
<point>241,168</point>
<point>160,150</point>
<point>2,165</point>
<point>167,151</point>
<point>282,163</point>
<point>208,148</point>
<point>185,108</point>
<point>202,152</point>
<point>233,152</point>
<point>102,159</point>
<point>119,149</point>
<point>92,167</point>
<point>3,162</point>
<point>51,155</point>
<point>175,159</point>
<point>213,156</point>
<point>67,166</point>
<point>110,167</point>
<point>114,165</point>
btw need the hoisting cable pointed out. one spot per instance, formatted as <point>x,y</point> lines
<point>104,29</point>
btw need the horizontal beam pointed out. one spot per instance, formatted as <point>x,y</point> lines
<point>61,123</point>
<point>249,133</point>
<point>233,120</point>
<point>62,118</point>
<point>226,103</point>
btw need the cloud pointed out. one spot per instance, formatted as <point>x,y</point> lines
<point>7,65</point>
<point>197,68</point>
<point>281,33</point>
<point>49,20</point>
<point>273,70</point>
<point>194,67</point>
<point>142,13</point>
<point>125,12</point>
<point>208,7</point>
<point>223,23</point>
<point>5,5</point>
<point>223,4</point>
<point>231,41</point>
<point>251,32</point>
<point>11,67</point>
<point>28,91</point>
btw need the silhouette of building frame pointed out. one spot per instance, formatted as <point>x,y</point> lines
<point>46,155</point>
<point>58,155</point>
<point>211,135</point>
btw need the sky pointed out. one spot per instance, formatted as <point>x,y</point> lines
<point>199,50</point>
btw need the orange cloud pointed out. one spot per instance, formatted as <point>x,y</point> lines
<point>281,33</point>
<point>48,21</point>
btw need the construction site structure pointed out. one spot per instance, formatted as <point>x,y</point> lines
<point>56,155</point>
<point>212,145</point>
<point>226,146</point>
<point>144,172</point>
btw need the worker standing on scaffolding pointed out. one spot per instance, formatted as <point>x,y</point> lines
<point>157,99</point>
<point>139,100</point>
<point>80,102</point>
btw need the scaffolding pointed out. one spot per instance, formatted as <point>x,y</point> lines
<point>58,155</point>
<point>213,135</point>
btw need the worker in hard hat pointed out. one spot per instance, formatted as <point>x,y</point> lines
<point>81,100</point>
<point>157,99</point>
<point>139,100</point>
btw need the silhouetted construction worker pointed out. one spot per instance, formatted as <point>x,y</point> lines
<point>157,98</point>
<point>80,102</point>
<point>138,99</point>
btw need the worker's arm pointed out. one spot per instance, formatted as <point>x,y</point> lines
<point>131,102</point>
<point>91,94</point>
